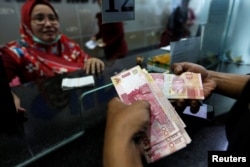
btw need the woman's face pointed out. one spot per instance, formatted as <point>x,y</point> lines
<point>44,23</point>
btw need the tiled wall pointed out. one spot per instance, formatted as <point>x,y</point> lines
<point>78,21</point>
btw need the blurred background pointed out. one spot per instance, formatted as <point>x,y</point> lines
<point>223,24</point>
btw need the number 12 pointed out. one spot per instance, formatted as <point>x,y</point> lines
<point>124,8</point>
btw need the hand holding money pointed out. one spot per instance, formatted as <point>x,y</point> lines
<point>209,84</point>
<point>166,133</point>
<point>123,123</point>
<point>131,118</point>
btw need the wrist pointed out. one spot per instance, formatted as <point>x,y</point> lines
<point>228,84</point>
<point>120,149</point>
<point>214,77</point>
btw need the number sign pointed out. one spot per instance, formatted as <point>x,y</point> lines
<point>118,10</point>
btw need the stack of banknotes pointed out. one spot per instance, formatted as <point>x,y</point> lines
<point>166,133</point>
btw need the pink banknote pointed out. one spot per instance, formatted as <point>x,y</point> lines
<point>164,149</point>
<point>161,126</point>
<point>167,132</point>
<point>185,86</point>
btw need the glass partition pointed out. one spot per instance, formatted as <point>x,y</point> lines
<point>237,40</point>
<point>94,104</point>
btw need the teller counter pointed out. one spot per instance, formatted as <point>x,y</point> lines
<point>66,128</point>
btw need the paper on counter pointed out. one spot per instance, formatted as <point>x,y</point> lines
<point>70,83</point>
<point>91,44</point>
<point>167,48</point>
<point>202,113</point>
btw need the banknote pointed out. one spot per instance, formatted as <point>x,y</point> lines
<point>159,79</point>
<point>157,86</point>
<point>170,109</point>
<point>164,149</point>
<point>188,85</point>
<point>167,132</point>
<point>161,126</point>
<point>164,102</point>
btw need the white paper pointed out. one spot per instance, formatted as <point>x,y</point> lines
<point>90,44</point>
<point>70,83</point>
<point>202,113</point>
<point>167,48</point>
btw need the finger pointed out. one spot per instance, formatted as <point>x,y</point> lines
<point>143,108</point>
<point>98,67</point>
<point>194,102</point>
<point>86,67</point>
<point>93,66</point>
<point>194,105</point>
<point>21,110</point>
<point>143,103</point>
<point>102,65</point>
<point>181,102</point>
<point>177,68</point>
<point>116,104</point>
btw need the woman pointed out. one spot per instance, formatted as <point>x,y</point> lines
<point>43,51</point>
<point>178,25</point>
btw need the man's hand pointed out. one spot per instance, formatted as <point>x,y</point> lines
<point>209,85</point>
<point>123,122</point>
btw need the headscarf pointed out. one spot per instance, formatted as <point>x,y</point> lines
<point>40,60</point>
<point>26,10</point>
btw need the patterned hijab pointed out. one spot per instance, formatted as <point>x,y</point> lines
<point>26,10</point>
<point>43,60</point>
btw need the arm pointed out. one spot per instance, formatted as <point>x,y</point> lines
<point>227,84</point>
<point>12,66</point>
<point>123,122</point>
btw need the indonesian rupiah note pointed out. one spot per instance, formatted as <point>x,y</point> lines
<point>170,109</point>
<point>132,85</point>
<point>166,133</point>
<point>188,85</point>
<point>164,148</point>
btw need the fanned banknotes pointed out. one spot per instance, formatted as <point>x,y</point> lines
<point>167,133</point>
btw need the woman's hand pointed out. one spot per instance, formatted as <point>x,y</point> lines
<point>94,66</point>
<point>100,43</point>
<point>209,85</point>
